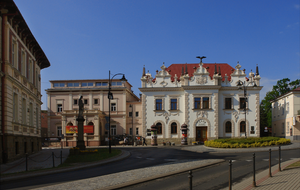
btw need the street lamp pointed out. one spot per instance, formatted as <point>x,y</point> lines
<point>131,106</point>
<point>242,86</point>
<point>110,97</point>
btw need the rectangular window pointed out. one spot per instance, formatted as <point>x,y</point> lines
<point>59,107</point>
<point>17,147</point>
<point>227,103</point>
<point>116,83</point>
<point>59,131</point>
<point>197,103</point>
<point>96,101</point>
<point>205,102</point>
<point>30,114</point>
<point>75,102</point>
<point>113,130</point>
<point>104,84</point>
<point>23,63</point>
<point>98,84</point>
<point>242,103</point>
<point>130,114</point>
<point>136,131</point>
<point>87,84</point>
<point>252,130</point>
<point>15,107</point>
<point>58,84</point>
<point>30,70</point>
<point>24,112</point>
<point>173,104</point>
<point>75,84</point>
<point>136,114</point>
<point>37,118</point>
<point>113,107</point>
<point>85,101</point>
<point>14,53</point>
<point>158,104</point>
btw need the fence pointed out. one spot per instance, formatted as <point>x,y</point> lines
<point>190,176</point>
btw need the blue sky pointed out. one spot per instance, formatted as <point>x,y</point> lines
<point>84,39</point>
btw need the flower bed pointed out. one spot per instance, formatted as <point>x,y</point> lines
<point>246,142</point>
<point>76,151</point>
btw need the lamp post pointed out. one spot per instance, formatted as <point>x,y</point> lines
<point>242,86</point>
<point>110,97</point>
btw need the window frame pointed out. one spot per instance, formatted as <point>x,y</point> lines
<point>197,102</point>
<point>113,108</point>
<point>113,130</point>
<point>244,127</point>
<point>174,128</point>
<point>226,104</point>
<point>159,128</point>
<point>228,127</point>
<point>245,105</point>
<point>59,108</point>
<point>158,104</point>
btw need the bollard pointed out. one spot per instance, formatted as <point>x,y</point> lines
<point>26,162</point>
<point>61,157</point>
<point>254,183</point>
<point>270,173</point>
<point>191,178</point>
<point>279,155</point>
<point>230,174</point>
<point>53,159</point>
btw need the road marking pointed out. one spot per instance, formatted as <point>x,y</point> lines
<point>150,158</point>
<point>171,160</point>
<point>249,160</point>
<point>265,159</point>
<point>293,158</point>
<point>277,159</point>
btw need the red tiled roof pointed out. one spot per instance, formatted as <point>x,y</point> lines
<point>297,89</point>
<point>177,69</point>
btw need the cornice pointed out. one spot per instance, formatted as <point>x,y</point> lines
<point>214,87</point>
<point>235,88</point>
<point>155,89</point>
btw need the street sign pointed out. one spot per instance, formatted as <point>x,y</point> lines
<point>106,126</point>
<point>107,119</point>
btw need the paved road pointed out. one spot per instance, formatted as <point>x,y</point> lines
<point>140,158</point>
<point>216,177</point>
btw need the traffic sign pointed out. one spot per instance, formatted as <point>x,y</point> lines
<point>107,119</point>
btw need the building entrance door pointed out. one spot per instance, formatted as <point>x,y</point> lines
<point>201,134</point>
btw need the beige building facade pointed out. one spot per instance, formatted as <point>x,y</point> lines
<point>62,102</point>
<point>286,115</point>
<point>22,59</point>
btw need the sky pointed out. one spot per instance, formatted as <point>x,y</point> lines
<point>84,39</point>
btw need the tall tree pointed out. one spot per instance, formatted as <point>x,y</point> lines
<point>283,86</point>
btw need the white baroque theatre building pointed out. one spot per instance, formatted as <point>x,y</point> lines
<point>205,97</point>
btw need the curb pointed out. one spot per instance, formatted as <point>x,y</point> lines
<point>125,154</point>
<point>135,182</point>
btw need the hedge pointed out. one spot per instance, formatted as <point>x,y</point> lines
<point>246,142</point>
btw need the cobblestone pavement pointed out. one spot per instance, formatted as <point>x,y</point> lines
<point>127,178</point>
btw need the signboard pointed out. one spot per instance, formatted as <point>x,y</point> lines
<point>74,129</point>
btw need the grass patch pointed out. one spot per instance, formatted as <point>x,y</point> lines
<point>294,165</point>
<point>101,154</point>
<point>247,142</point>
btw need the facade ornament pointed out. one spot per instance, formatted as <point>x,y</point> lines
<point>201,122</point>
<point>235,114</point>
<point>164,83</point>
<point>201,80</point>
<point>202,114</point>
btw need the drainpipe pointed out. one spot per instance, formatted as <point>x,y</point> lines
<point>4,151</point>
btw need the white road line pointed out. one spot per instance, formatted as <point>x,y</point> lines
<point>249,160</point>
<point>265,160</point>
<point>277,158</point>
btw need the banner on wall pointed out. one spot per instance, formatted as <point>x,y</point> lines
<point>74,129</point>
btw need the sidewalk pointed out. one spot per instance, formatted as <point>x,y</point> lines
<point>285,179</point>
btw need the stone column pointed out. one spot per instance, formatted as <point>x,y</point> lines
<point>80,140</point>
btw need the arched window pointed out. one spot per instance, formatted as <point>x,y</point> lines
<point>159,128</point>
<point>228,127</point>
<point>174,128</point>
<point>242,127</point>
<point>91,123</point>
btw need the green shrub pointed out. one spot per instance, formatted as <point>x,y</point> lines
<point>246,142</point>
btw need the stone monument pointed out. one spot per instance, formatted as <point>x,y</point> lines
<point>80,120</point>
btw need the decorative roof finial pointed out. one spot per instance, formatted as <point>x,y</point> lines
<point>203,57</point>
<point>186,71</point>
<point>257,73</point>
<point>144,72</point>
<point>216,68</point>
